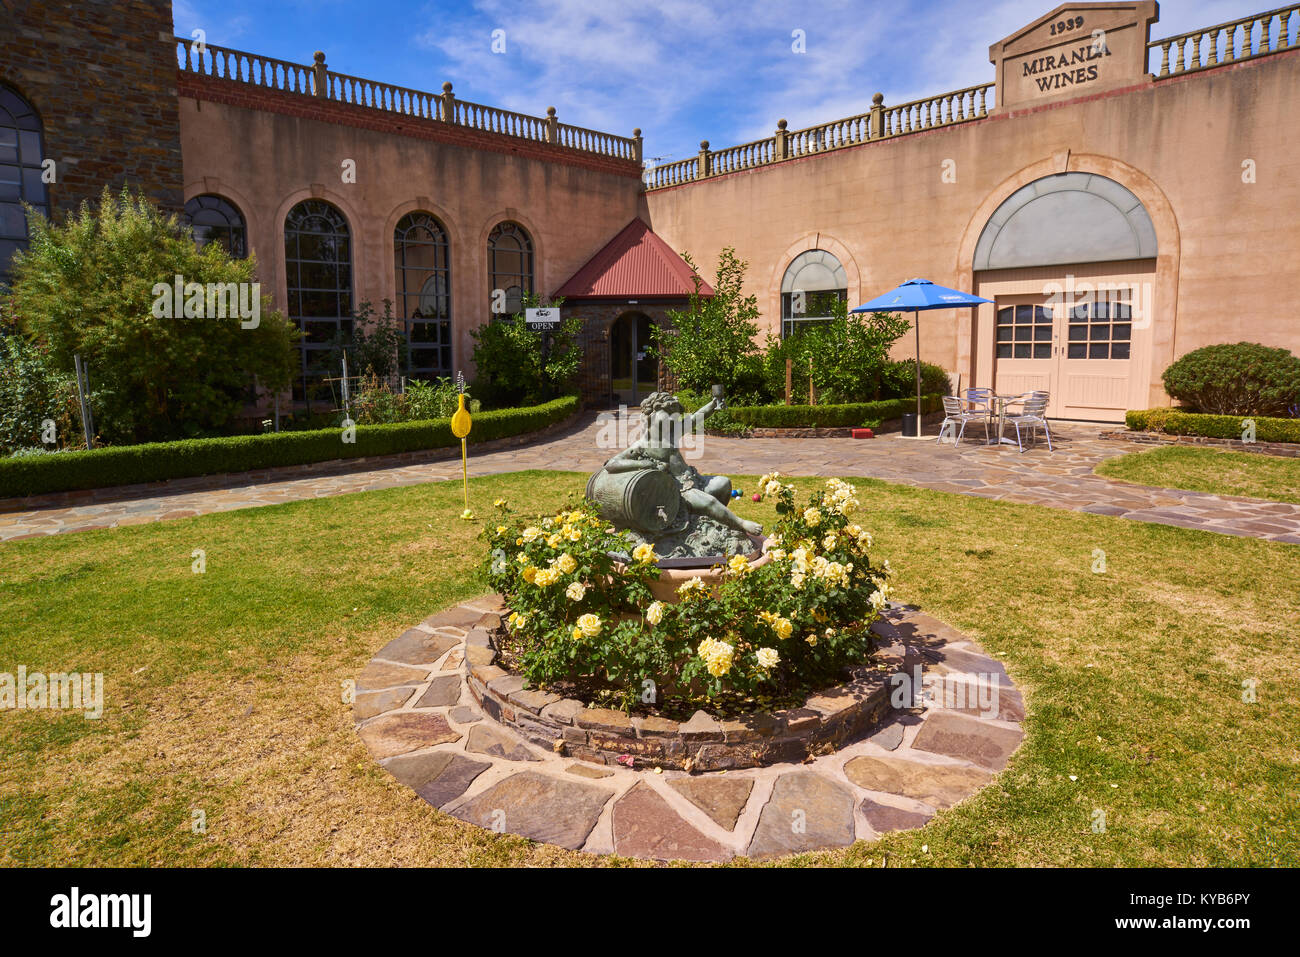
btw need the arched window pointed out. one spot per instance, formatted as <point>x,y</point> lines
<point>510,264</point>
<point>813,280</point>
<point>216,219</point>
<point>423,260</point>
<point>318,266</point>
<point>21,155</point>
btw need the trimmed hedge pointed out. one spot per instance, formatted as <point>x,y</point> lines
<point>1178,422</point>
<point>849,415</point>
<point>158,461</point>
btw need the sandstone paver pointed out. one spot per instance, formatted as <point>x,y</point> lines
<point>539,807</point>
<point>722,798</point>
<point>806,812</point>
<point>645,826</point>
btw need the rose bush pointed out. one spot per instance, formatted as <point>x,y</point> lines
<point>582,615</point>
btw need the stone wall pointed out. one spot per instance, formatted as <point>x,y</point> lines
<point>102,76</point>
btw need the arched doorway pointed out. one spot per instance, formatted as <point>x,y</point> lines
<point>633,372</point>
<point>1069,261</point>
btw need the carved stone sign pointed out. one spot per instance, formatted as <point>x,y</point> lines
<point>1076,50</point>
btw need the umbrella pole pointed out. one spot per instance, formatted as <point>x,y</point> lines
<point>916,324</point>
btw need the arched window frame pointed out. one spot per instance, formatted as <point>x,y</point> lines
<point>214,218</point>
<point>816,300</point>
<point>22,158</point>
<point>425,311</point>
<point>515,282</point>
<point>318,287</point>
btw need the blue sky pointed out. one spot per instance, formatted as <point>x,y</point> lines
<point>681,70</point>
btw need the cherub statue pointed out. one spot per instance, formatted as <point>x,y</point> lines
<point>666,422</point>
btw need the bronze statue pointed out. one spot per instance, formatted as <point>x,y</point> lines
<point>685,517</point>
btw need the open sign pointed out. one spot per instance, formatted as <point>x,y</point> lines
<point>544,319</point>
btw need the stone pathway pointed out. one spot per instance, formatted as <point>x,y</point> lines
<point>1059,479</point>
<point>418,718</point>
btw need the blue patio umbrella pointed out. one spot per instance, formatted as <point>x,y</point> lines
<point>914,296</point>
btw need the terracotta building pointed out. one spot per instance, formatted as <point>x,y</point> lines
<point>1123,200</point>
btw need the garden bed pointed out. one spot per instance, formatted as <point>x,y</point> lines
<point>1273,436</point>
<point>1286,449</point>
<point>161,462</point>
<point>825,721</point>
<point>814,432</point>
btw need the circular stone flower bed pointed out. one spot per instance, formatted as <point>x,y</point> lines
<point>466,736</point>
<point>570,726</point>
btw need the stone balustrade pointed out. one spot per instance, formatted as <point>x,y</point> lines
<point>1227,42</point>
<point>316,79</point>
<point>880,122</point>
<point>1252,36</point>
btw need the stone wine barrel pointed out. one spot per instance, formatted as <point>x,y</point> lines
<point>647,500</point>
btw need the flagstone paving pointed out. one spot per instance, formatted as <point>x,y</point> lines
<point>462,761</point>
<point>1057,479</point>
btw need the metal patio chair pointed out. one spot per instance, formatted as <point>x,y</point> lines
<point>955,415</point>
<point>1032,415</point>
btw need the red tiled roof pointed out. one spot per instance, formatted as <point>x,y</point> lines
<point>635,264</point>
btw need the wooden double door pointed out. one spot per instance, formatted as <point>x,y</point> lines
<point>1085,342</point>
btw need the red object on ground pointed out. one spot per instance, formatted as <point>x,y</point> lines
<point>863,434</point>
<point>757,497</point>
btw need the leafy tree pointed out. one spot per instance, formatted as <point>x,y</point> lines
<point>31,392</point>
<point>848,355</point>
<point>713,339</point>
<point>511,367</point>
<point>91,286</point>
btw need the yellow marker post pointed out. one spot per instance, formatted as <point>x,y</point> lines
<point>460,426</point>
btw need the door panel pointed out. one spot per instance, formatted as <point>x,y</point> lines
<point>1094,356</point>
<point>1024,347</point>
<point>1078,351</point>
<point>1100,360</point>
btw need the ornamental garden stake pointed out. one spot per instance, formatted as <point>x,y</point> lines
<point>460,426</point>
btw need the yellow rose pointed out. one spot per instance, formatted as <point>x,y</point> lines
<point>531,533</point>
<point>645,553</point>
<point>782,627</point>
<point>589,625</point>
<point>738,564</point>
<point>768,658</point>
<point>530,574</point>
<point>655,613</point>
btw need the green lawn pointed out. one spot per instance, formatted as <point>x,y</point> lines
<point>1210,470</point>
<point>224,689</point>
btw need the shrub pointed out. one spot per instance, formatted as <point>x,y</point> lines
<point>155,462</point>
<point>88,287</point>
<point>377,404</point>
<point>900,379</point>
<point>1239,379</point>
<point>782,629</point>
<point>375,345</point>
<point>31,392</point>
<point>712,340</point>
<point>849,415</point>
<point>508,357</point>
<point>1179,422</point>
<point>847,355</point>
